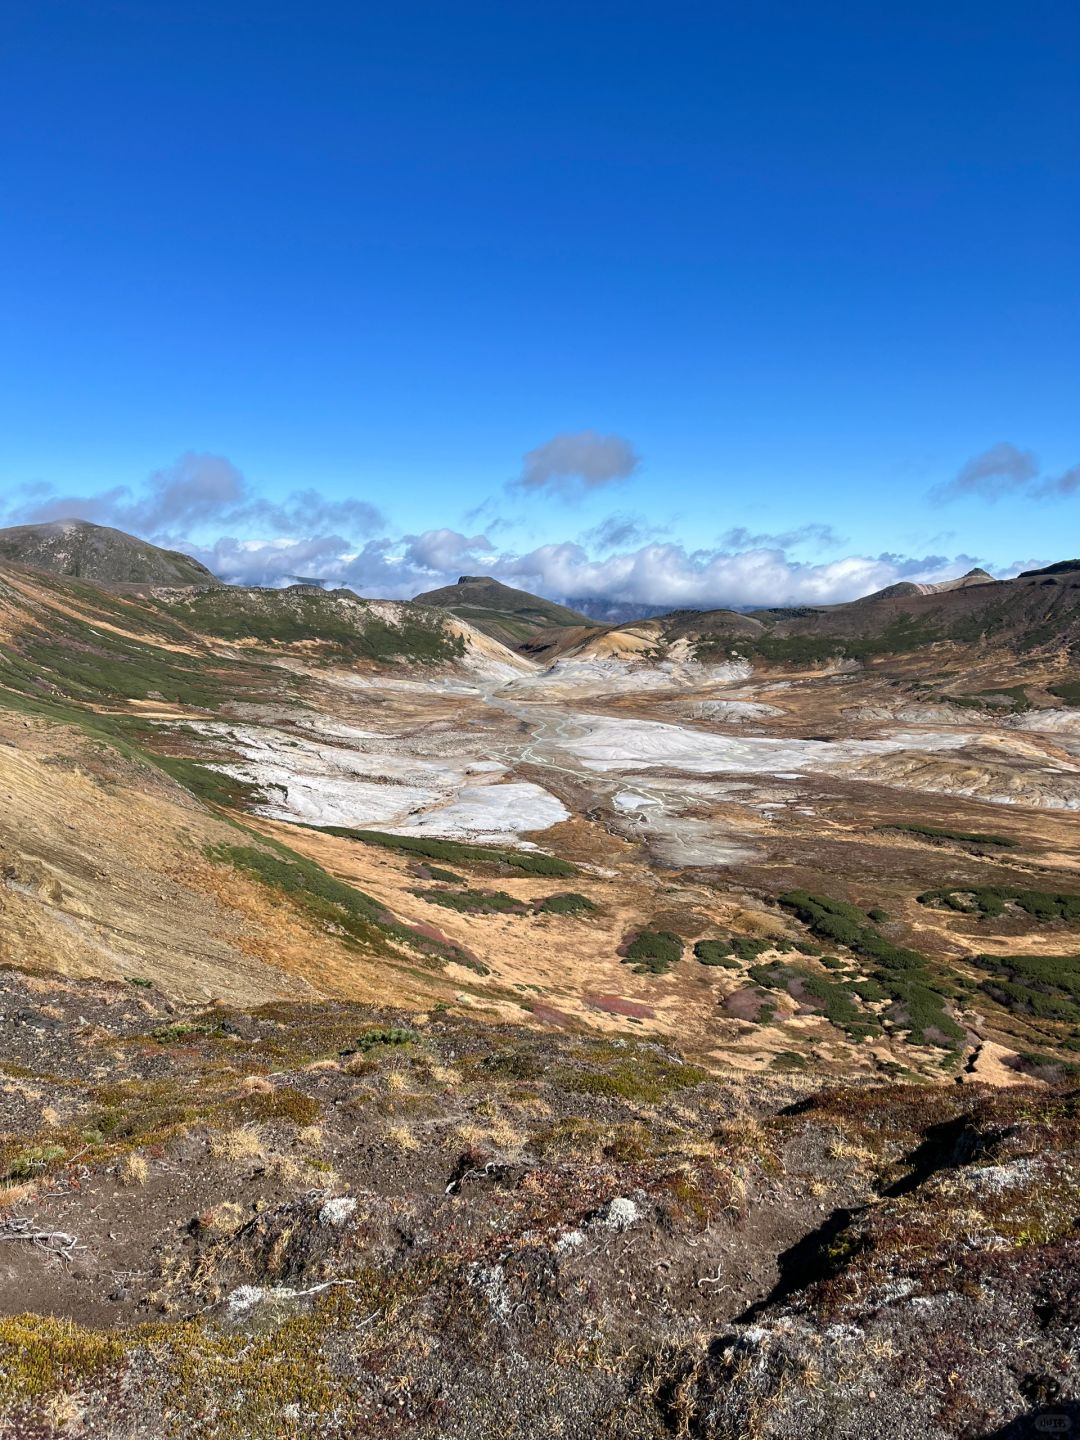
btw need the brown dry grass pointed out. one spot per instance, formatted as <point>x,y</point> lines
<point>241,1143</point>
<point>16,1193</point>
<point>401,1137</point>
<point>108,874</point>
<point>134,1170</point>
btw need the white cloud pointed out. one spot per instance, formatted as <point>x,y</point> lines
<point>195,488</point>
<point>196,492</point>
<point>1066,484</point>
<point>671,575</point>
<point>444,550</point>
<point>668,575</point>
<point>571,463</point>
<point>819,535</point>
<point>616,532</point>
<point>1005,470</point>
<point>274,562</point>
<point>621,560</point>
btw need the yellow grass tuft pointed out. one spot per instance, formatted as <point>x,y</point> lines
<point>241,1143</point>
<point>286,1169</point>
<point>134,1171</point>
<point>224,1219</point>
<point>401,1137</point>
<point>16,1193</point>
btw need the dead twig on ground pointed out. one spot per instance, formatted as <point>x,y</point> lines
<point>55,1242</point>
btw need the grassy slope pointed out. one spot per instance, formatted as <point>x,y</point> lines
<point>507,615</point>
<point>342,627</point>
<point>67,664</point>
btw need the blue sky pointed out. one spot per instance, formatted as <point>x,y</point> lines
<point>759,285</point>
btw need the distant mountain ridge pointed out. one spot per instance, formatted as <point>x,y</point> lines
<point>977,576</point>
<point>1033,611</point>
<point>86,551</point>
<point>1059,567</point>
<point>614,612</point>
<point>506,614</point>
<point>1038,610</point>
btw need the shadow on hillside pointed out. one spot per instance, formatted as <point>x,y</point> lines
<point>811,1258</point>
<point>1048,1420</point>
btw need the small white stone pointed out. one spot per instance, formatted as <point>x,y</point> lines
<point>490,1280</point>
<point>337,1210</point>
<point>572,1240</point>
<point>838,1333</point>
<point>245,1298</point>
<point>619,1214</point>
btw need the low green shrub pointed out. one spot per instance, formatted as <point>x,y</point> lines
<point>34,1161</point>
<point>749,947</point>
<point>530,862</point>
<point>992,901</point>
<point>653,952</point>
<point>807,987</point>
<point>568,904</point>
<point>917,1001</point>
<point>181,1030</point>
<point>389,1035</point>
<point>716,952</point>
<point>1044,986</point>
<point>642,1079</point>
<point>474,902</point>
<point>789,1060</point>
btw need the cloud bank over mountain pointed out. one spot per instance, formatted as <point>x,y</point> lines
<point>657,574</point>
<point>195,492</point>
<point>204,505</point>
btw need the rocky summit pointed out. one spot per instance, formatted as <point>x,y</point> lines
<point>101,555</point>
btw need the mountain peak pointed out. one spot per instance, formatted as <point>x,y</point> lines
<point>99,553</point>
<point>509,615</point>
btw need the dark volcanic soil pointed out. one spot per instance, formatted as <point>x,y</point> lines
<point>319,1220</point>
